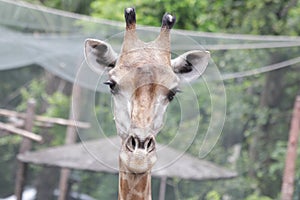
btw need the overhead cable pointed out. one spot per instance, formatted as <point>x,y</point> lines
<point>260,70</point>
<point>187,32</point>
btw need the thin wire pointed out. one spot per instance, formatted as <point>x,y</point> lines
<point>267,45</point>
<point>235,36</point>
<point>256,71</point>
<point>120,24</point>
<point>252,45</point>
<point>62,13</point>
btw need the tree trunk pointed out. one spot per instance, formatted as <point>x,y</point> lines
<point>25,146</point>
<point>47,183</point>
<point>287,188</point>
<point>263,140</point>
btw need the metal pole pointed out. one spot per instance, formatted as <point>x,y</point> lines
<point>71,137</point>
<point>25,146</point>
<point>162,188</point>
<point>287,189</point>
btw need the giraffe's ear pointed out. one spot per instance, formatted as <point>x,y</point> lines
<point>99,55</point>
<point>190,65</point>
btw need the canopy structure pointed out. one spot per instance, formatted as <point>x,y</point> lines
<point>54,40</point>
<point>102,156</point>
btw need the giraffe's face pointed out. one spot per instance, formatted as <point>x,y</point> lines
<point>143,80</point>
<point>141,92</point>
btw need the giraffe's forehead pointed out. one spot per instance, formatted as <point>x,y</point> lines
<point>150,52</point>
<point>131,78</point>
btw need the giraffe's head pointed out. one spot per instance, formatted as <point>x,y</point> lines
<point>143,80</point>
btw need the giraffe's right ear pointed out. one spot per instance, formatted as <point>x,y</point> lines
<point>99,55</point>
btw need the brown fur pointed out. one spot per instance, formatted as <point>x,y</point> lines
<point>134,186</point>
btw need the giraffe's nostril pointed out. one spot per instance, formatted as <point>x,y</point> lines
<point>149,145</point>
<point>131,143</point>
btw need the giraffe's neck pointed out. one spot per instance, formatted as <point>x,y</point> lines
<point>134,186</point>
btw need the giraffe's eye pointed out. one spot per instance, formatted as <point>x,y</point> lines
<point>172,93</point>
<point>112,85</point>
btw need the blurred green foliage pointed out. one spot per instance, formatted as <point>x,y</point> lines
<point>213,195</point>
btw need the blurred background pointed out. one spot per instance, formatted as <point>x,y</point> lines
<point>249,91</point>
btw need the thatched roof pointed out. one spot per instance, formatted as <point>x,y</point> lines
<point>102,156</point>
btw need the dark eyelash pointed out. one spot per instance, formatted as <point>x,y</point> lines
<point>172,93</point>
<point>112,85</point>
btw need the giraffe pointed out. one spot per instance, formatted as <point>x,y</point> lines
<point>143,80</point>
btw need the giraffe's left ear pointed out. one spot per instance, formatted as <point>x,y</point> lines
<point>190,65</point>
<point>99,55</point>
